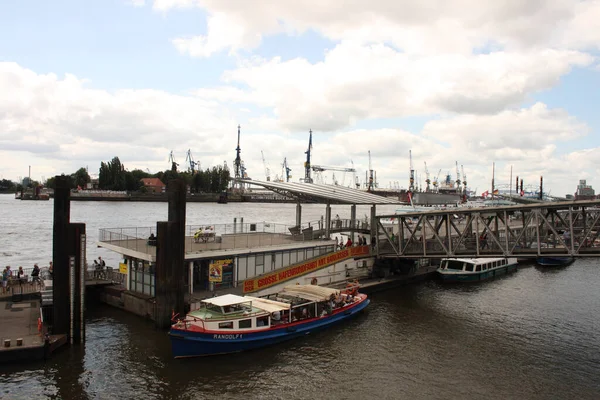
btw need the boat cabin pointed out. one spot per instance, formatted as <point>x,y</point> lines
<point>294,303</point>
<point>473,264</point>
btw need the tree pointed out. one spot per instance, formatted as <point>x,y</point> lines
<point>6,185</point>
<point>112,175</point>
<point>81,178</point>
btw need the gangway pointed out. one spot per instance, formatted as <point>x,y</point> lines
<point>569,228</point>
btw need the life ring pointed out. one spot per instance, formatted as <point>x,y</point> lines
<point>40,325</point>
<point>314,281</point>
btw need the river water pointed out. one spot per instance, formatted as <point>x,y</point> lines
<point>531,335</point>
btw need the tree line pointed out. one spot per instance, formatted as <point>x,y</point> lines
<point>114,176</point>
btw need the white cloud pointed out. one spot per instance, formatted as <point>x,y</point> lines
<point>424,27</point>
<point>61,119</point>
<point>58,125</point>
<point>356,82</point>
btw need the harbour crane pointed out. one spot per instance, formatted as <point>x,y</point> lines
<point>193,164</point>
<point>267,170</point>
<point>286,170</point>
<point>436,180</point>
<point>457,177</point>
<point>321,168</point>
<point>411,186</point>
<point>174,164</point>
<point>355,181</point>
<point>427,180</point>
<point>307,178</point>
<point>237,163</point>
<point>370,180</point>
<point>464,178</point>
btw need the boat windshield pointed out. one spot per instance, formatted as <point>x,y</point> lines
<point>454,265</point>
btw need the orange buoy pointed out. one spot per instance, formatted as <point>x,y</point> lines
<point>39,324</point>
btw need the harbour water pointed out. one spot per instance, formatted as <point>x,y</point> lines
<point>531,335</point>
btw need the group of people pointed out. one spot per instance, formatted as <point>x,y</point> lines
<point>9,276</point>
<point>361,241</point>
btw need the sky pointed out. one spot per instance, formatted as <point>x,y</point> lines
<point>513,84</point>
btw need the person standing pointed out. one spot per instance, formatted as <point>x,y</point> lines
<point>4,279</point>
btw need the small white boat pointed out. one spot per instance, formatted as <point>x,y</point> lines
<point>475,269</point>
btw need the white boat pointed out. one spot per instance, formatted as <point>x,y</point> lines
<point>475,269</point>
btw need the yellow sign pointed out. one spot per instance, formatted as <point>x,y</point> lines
<point>215,273</point>
<point>123,268</point>
<point>294,271</point>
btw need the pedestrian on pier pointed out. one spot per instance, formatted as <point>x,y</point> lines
<point>483,241</point>
<point>5,275</point>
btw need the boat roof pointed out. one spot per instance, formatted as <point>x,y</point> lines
<point>226,300</point>
<point>267,304</point>
<point>476,261</point>
<point>310,292</point>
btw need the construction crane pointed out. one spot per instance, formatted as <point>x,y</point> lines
<point>267,170</point>
<point>286,170</point>
<point>457,177</point>
<point>193,164</point>
<point>427,180</point>
<point>411,186</point>
<point>464,178</point>
<point>307,178</point>
<point>174,164</point>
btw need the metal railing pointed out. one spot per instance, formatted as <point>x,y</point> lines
<point>229,236</point>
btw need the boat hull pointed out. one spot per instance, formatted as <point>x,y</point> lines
<point>554,261</point>
<point>477,276</point>
<point>186,343</point>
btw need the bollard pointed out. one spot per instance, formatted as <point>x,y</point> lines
<point>19,341</point>
<point>6,342</point>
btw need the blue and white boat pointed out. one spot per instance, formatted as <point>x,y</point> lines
<point>475,269</point>
<point>554,261</point>
<point>231,323</point>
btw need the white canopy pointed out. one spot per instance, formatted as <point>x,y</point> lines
<point>310,292</point>
<point>268,305</point>
<point>226,300</point>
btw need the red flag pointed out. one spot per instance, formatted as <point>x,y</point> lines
<point>522,193</point>
<point>485,194</point>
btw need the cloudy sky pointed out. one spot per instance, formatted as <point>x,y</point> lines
<point>514,82</point>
